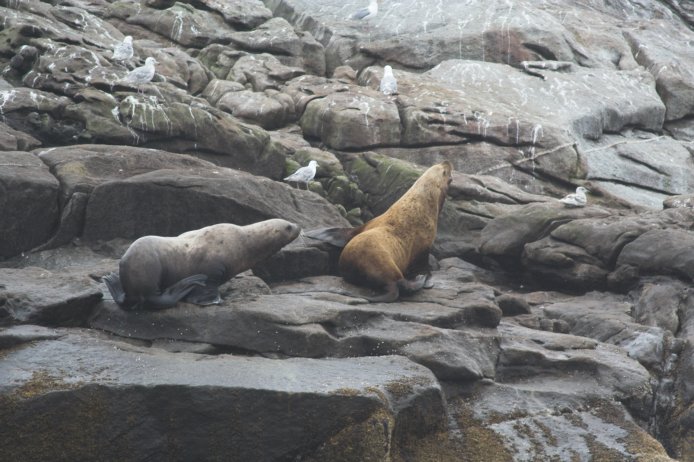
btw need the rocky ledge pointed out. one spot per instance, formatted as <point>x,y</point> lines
<point>551,333</point>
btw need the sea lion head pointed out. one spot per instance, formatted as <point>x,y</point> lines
<point>277,231</point>
<point>440,176</point>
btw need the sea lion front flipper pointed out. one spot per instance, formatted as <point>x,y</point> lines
<point>171,295</point>
<point>339,237</point>
<point>112,281</point>
<point>204,295</point>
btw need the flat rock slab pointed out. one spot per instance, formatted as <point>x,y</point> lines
<point>418,35</point>
<point>49,298</point>
<point>88,390</point>
<point>502,422</point>
<point>296,325</point>
<point>16,335</point>
<point>28,202</point>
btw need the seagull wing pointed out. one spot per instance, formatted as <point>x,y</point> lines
<point>389,85</point>
<point>573,200</point>
<point>300,175</point>
<point>360,14</point>
<point>140,75</point>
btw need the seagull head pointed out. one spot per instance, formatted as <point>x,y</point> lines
<point>128,39</point>
<point>387,70</point>
<point>313,163</point>
<point>581,189</point>
<point>150,61</point>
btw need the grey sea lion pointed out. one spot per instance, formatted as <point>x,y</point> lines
<point>392,251</point>
<point>156,272</point>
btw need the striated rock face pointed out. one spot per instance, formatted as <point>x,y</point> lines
<point>550,333</point>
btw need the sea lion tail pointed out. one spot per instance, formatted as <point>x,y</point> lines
<point>112,281</point>
<point>171,295</point>
<point>339,237</point>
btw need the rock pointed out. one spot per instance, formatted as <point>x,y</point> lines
<point>197,198</point>
<point>13,140</point>
<point>593,360</point>
<point>313,54</point>
<point>184,24</point>
<point>205,129</point>
<point>219,59</point>
<point>296,261</point>
<point>324,316</point>
<point>245,14</point>
<point>388,394</point>
<point>276,36</point>
<point>352,120</point>
<point>507,235</point>
<point>47,298</point>
<point>610,322</point>
<point>217,88</point>
<point>180,69</point>
<point>562,264</point>
<point>677,395</point>
<point>668,61</point>
<point>662,251</point>
<point>318,326</point>
<point>659,303</point>
<point>17,335</point>
<point>638,167</point>
<point>262,72</point>
<point>512,305</point>
<point>36,113</point>
<point>81,168</point>
<point>504,422</point>
<point>528,402</point>
<point>679,201</point>
<point>269,109</point>
<point>28,201</point>
<point>603,371</point>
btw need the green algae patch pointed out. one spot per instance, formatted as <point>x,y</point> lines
<point>40,383</point>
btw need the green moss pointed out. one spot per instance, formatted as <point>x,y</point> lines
<point>290,166</point>
<point>40,383</point>
<point>480,443</point>
<point>369,440</point>
<point>638,442</point>
<point>347,392</point>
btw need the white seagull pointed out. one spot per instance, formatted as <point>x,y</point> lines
<point>366,13</point>
<point>142,74</point>
<point>577,199</point>
<point>304,174</point>
<point>123,51</point>
<point>389,86</point>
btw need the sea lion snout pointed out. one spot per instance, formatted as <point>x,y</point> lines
<point>292,229</point>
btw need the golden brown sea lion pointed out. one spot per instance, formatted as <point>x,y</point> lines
<point>394,246</point>
<point>156,272</point>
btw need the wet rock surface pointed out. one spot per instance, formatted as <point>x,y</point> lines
<point>550,333</point>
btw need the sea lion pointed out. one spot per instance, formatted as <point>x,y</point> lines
<point>156,272</point>
<point>386,251</point>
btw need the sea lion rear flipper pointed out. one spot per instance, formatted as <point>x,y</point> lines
<point>171,295</point>
<point>112,281</point>
<point>204,295</point>
<point>339,237</point>
<point>428,283</point>
<point>391,294</point>
<point>412,285</point>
